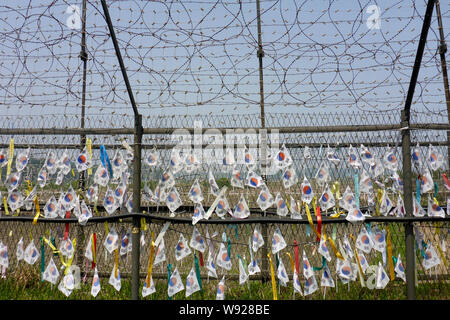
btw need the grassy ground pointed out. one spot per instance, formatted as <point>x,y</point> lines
<point>26,285</point>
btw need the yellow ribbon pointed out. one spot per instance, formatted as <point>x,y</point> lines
<point>70,259</point>
<point>6,205</point>
<point>314,206</point>
<point>311,223</point>
<point>274,286</point>
<point>337,214</point>
<point>150,261</point>
<point>389,253</point>
<point>333,245</point>
<point>89,150</point>
<point>380,196</point>
<point>143,224</point>
<point>292,262</point>
<point>10,157</point>
<point>94,254</point>
<point>116,263</point>
<point>36,203</point>
<point>106,227</point>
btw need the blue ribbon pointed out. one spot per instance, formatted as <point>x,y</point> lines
<point>357,189</point>
<point>105,160</point>
<point>418,190</point>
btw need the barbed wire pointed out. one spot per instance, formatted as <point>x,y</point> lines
<point>194,57</point>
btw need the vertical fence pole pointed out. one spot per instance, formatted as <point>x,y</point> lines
<point>135,239</point>
<point>406,153</point>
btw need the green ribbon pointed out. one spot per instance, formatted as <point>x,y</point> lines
<point>395,260</point>
<point>308,230</point>
<point>324,263</point>
<point>436,189</point>
<point>277,260</point>
<point>243,262</point>
<point>197,271</point>
<point>418,190</point>
<point>169,269</point>
<point>229,247</point>
<point>52,240</point>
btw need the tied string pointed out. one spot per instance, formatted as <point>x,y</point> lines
<point>297,259</point>
<point>389,252</point>
<point>333,245</point>
<point>310,220</point>
<point>94,250</point>
<point>69,260</point>
<point>36,203</point>
<point>89,150</point>
<point>324,263</point>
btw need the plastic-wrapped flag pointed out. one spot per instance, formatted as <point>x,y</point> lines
<point>66,248</point>
<point>343,269</point>
<point>397,183</point>
<point>110,202</point>
<point>222,206</point>
<point>278,242</point>
<point>111,242</point>
<point>190,162</point>
<point>282,209</point>
<point>379,240</point>
<point>115,281</point>
<point>307,268</point>
<point>195,193</point>
<point>354,215</point>
<point>307,192</point>
<point>199,213</point>
<point>210,266</point>
<point>296,281</point>
<point>95,287</point>
<point>3,158</point>
<point>435,159</point>
<point>29,200</point>
<point>326,200</point>
<point>289,177</point>
<point>85,213</point>
<point>249,159</point>
<point>385,204</point>
<point>13,181</point>
<point>366,155</point>
<point>257,240</point>
<point>347,201</point>
<point>416,157</point>
<point>431,258</point>
<point>382,277</point>
<point>282,158</point>
<point>59,178</point>
<point>241,210</point>
<point>353,158</point>
<point>119,192</point>
<point>253,267</point>
<point>101,176</point>
<point>220,295</point>
<point>129,203</point>
<point>20,253</point>
<point>22,159</point>
<point>152,159</point>
<point>148,195</point>
<point>4,260</point>
<point>399,210</point>
<point>376,169</point>
<point>64,163</point>
<point>253,180</point>
<point>83,162</point>
<point>223,259</point>
<point>228,159</point>
<point>197,242</point>
<point>51,163</point>
<point>182,249</point>
<point>265,199</point>
<point>434,210</point>
<point>31,253</point>
<point>365,183</point>
<point>192,283</point>
<point>307,153</point>
<point>323,174</point>
<point>327,279</point>
<point>15,200</point>
<point>364,242</point>
<point>332,157</point>
<point>362,261</point>
<point>167,179</point>
<point>148,289</point>
<point>125,243</point>
<point>42,177</point>
<point>323,249</point>
<point>347,247</point>
<point>295,209</point>
<point>61,210</point>
<point>243,275</point>
<point>173,200</point>
<point>160,255</point>
<point>51,273</point>
<point>390,160</point>
<point>310,285</point>
<point>418,211</point>
<point>426,181</point>
<point>213,184</point>
<point>399,269</point>
<point>119,165</point>
<point>51,208</point>
<point>236,179</point>
<point>282,274</point>
<point>70,199</point>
